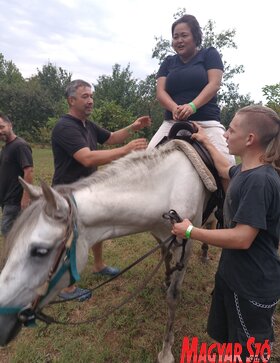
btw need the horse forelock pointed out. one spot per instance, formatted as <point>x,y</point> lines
<point>138,163</point>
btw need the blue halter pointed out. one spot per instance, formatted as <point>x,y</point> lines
<point>27,314</point>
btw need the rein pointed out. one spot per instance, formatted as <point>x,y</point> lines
<point>147,254</point>
<point>173,217</point>
<point>67,251</point>
<point>171,240</point>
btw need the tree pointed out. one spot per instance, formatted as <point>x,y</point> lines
<point>53,81</point>
<point>119,87</point>
<point>9,73</point>
<point>229,90</point>
<point>111,115</point>
<point>119,99</point>
<point>147,104</point>
<point>27,105</point>
<point>228,110</point>
<point>30,102</point>
<point>272,95</point>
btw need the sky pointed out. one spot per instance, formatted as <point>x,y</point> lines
<point>87,37</point>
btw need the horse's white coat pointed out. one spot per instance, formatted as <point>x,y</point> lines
<point>129,200</point>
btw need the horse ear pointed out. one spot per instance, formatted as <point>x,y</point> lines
<point>34,191</point>
<point>56,204</point>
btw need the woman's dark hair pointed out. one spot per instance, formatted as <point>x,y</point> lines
<point>193,24</point>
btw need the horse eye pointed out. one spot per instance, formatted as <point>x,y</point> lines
<point>39,252</point>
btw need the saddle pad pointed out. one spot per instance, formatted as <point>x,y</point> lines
<point>204,173</point>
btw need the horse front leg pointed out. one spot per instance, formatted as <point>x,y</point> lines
<point>167,262</point>
<point>172,298</point>
<point>204,255</point>
<point>168,270</point>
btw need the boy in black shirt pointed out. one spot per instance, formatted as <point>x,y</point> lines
<point>247,284</point>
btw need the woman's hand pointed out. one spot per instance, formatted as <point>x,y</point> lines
<point>183,112</point>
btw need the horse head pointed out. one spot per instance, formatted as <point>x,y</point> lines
<point>39,235</point>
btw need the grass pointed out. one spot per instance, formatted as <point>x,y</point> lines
<point>43,165</point>
<point>134,333</point>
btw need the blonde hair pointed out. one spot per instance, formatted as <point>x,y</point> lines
<point>266,124</point>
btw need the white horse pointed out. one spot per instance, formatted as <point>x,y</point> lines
<point>128,196</point>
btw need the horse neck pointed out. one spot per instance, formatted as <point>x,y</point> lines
<point>109,212</point>
<point>135,202</point>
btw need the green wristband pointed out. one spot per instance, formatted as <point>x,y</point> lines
<point>188,231</point>
<point>193,106</point>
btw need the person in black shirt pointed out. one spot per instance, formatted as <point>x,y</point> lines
<point>74,145</point>
<point>15,160</point>
<point>188,82</point>
<point>247,285</point>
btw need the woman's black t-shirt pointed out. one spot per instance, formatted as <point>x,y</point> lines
<point>184,81</point>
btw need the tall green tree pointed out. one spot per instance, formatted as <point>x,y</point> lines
<point>28,106</point>
<point>120,87</point>
<point>22,100</point>
<point>53,81</point>
<point>9,73</point>
<point>228,110</point>
<point>272,95</point>
<point>118,99</point>
<point>111,115</point>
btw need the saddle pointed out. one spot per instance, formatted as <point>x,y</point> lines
<point>183,131</point>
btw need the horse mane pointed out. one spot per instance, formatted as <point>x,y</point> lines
<point>143,161</point>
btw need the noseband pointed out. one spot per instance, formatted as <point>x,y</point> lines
<point>67,255</point>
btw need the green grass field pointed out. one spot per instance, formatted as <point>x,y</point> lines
<point>134,333</point>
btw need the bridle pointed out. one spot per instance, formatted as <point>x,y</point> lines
<point>65,261</point>
<point>66,254</point>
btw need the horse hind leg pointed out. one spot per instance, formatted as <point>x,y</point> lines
<point>173,295</point>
